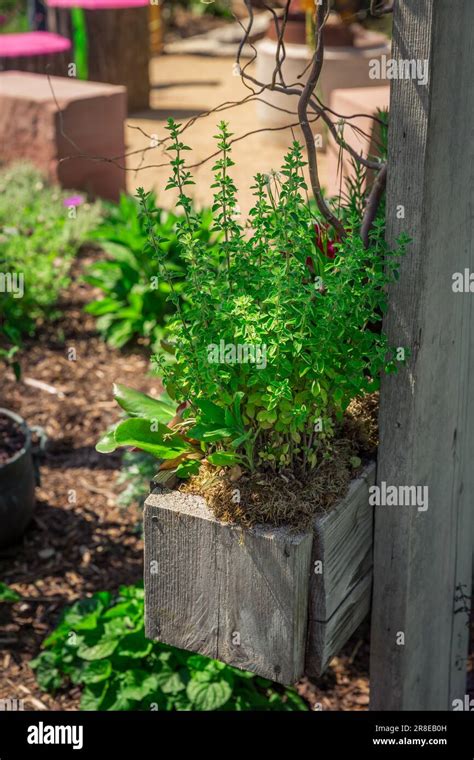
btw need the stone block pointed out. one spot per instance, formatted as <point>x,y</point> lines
<point>71,130</point>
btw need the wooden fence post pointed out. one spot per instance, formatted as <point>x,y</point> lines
<point>422,563</point>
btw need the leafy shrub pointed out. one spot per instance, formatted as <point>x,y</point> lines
<point>38,241</point>
<point>136,297</point>
<point>296,299</point>
<point>100,644</point>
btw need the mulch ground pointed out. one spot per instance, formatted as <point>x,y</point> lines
<point>79,541</point>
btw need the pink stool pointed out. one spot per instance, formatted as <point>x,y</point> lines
<point>38,52</point>
<point>118,40</point>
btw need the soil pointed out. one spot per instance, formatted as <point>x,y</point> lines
<point>283,499</point>
<point>80,541</point>
<point>12,438</point>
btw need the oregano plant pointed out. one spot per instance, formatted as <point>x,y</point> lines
<point>275,330</point>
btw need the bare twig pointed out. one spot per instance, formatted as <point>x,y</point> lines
<point>303,104</point>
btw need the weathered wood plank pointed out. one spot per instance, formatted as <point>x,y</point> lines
<point>244,596</point>
<point>237,595</point>
<point>343,544</point>
<point>340,594</point>
<point>327,637</point>
<point>422,565</point>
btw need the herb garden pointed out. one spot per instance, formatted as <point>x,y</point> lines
<point>215,370</point>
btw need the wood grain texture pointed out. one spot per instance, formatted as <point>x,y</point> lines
<point>422,562</point>
<point>343,543</point>
<point>340,595</point>
<point>240,596</point>
<point>327,637</point>
<point>251,598</point>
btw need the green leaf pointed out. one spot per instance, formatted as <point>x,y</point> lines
<point>188,468</point>
<point>173,685</point>
<point>7,594</point>
<point>138,404</point>
<point>107,443</point>
<point>211,412</point>
<point>99,651</point>
<point>223,458</point>
<point>159,441</point>
<point>138,684</point>
<point>93,696</point>
<point>96,671</point>
<point>204,432</point>
<point>48,675</point>
<point>208,696</point>
<point>197,661</point>
<point>135,645</point>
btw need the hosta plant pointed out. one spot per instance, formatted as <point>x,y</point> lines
<point>135,303</point>
<point>276,333</point>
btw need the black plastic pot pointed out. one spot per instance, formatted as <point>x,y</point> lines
<point>18,478</point>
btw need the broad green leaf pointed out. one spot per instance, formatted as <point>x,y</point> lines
<point>138,684</point>
<point>7,594</point>
<point>47,673</point>
<point>173,685</point>
<point>99,651</point>
<point>188,468</point>
<point>96,671</point>
<point>93,696</point>
<point>138,404</point>
<point>223,458</point>
<point>135,645</point>
<point>104,306</point>
<point>211,412</point>
<point>208,696</point>
<point>159,441</point>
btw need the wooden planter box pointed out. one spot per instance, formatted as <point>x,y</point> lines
<point>258,598</point>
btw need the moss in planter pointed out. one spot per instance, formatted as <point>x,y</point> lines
<point>281,498</point>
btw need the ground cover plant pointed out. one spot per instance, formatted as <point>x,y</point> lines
<point>135,303</point>
<point>41,229</point>
<point>100,644</point>
<point>276,335</point>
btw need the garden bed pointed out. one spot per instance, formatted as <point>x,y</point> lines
<point>72,550</point>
